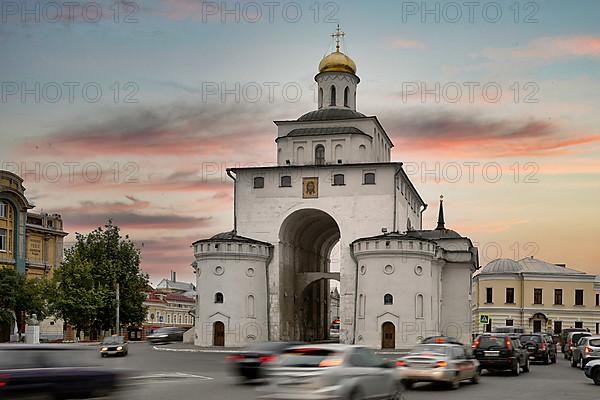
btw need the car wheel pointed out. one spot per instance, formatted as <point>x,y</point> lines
<point>397,395</point>
<point>547,359</point>
<point>355,395</point>
<point>516,370</point>
<point>582,362</point>
<point>526,367</point>
<point>408,384</point>
<point>573,362</point>
<point>476,377</point>
<point>596,375</point>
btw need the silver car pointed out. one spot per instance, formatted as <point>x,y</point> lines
<point>331,371</point>
<point>445,363</point>
<point>588,348</point>
<point>592,371</point>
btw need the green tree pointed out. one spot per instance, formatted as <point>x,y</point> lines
<point>100,260</point>
<point>21,297</point>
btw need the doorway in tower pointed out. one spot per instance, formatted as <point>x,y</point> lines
<point>218,334</point>
<point>307,239</point>
<point>388,336</point>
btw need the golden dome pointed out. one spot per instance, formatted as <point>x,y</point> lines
<point>337,62</point>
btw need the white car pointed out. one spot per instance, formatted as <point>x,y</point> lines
<point>332,371</point>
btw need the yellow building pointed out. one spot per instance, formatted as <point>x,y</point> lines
<point>29,242</point>
<point>535,295</point>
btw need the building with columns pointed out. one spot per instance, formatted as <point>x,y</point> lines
<point>334,185</point>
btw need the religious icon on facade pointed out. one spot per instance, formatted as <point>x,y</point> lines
<point>310,188</point>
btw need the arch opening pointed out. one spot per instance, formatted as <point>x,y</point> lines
<point>307,238</point>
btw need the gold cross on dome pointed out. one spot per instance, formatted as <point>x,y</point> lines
<point>338,35</point>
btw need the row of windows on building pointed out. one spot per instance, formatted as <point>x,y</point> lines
<point>537,326</point>
<point>250,307</point>
<point>172,318</point>
<point>319,154</point>
<point>333,96</point>
<point>538,296</point>
<point>388,300</point>
<point>337,180</point>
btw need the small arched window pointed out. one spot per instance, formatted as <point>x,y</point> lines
<point>419,306</point>
<point>369,178</point>
<point>346,97</point>
<point>338,179</point>
<point>332,99</point>
<point>362,152</point>
<point>250,306</point>
<point>259,182</point>
<point>339,153</point>
<point>388,299</point>
<point>300,155</point>
<point>361,306</point>
<point>286,181</point>
<point>320,154</point>
<point>320,97</point>
<point>219,298</point>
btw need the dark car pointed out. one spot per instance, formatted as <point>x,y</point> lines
<point>250,363</point>
<point>114,346</point>
<point>540,347</point>
<point>166,335</point>
<point>563,338</point>
<point>54,372</point>
<point>498,352</point>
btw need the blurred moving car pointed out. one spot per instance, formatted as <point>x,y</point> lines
<point>571,343</point>
<point>250,363</point>
<point>114,346</point>
<point>54,372</point>
<point>587,349</point>
<point>445,363</point>
<point>332,371</point>
<point>497,352</point>
<point>166,335</point>
<point>441,339</point>
<point>540,347</point>
<point>563,338</point>
<point>592,371</point>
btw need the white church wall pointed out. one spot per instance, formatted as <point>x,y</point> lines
<point>456,303</point>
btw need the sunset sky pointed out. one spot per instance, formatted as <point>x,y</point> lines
<point>150,151</point>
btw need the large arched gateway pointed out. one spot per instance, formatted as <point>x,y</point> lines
<point>334,187</point>
<point>306,240</point>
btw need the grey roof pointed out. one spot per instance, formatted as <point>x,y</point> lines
<point>169,284</point>
<point>325,131</point>
<point>410,235</point>
<point>526,265</point>
<point>436,234</point>
<point>231,236</point>
<point>326,114</point>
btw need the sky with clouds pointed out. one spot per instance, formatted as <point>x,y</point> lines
<point>133,111</point>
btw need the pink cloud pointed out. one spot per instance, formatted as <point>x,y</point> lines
<point>550,48</point>
<point>404,43</point>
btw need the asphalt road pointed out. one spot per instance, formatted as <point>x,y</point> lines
<point>166,375</point>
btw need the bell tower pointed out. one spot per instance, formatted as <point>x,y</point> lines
<point>337,78</point>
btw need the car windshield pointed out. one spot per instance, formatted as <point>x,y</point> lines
<point>594,342</point>
<point>487,342</point>
<point>310,357</point>
<point>430,349</point>
<point>577,336</point>
<point>113,340</point>
<point>530,338</point>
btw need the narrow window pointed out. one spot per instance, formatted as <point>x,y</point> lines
<point>250,306</point>
<point>419,311</point>
<point>332,102</point>
<point>346,97</point>
<point>361,306</point>
<point>488,327</point>
<point>300,155</point>
<point>558,300</point>
<point>537,296</point>
<point>388,299</point>
<point>557,327</point>
<point>369,178</point>
<point>259,182</point>
<point>578,297</point>
<point>2,209</point>
<point>320,97</point>
<point>320,154</point>
<point>338,179</point>
<point>219,298</point>
<point>509,322</point>
<point>510,295</point>
<point>489,295</point>
<point>286,181</point>
<point>579,324</point>
<point>339,153</point>
<point>598,299</point>
<point>2,239</point>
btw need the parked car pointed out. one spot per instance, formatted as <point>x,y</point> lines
<point>563,338</point>
<point>592,371</point>
<point>166,335</point>
<point>444,363</point>
<point>332,371</point>
<point>540,347</point>
<point>571,343</point>
<point>587,349</point>
<point>250,363</point>
<point>497,352</point>
<point>53,371</point>
<point>114,346</point>
<point>441,339</point>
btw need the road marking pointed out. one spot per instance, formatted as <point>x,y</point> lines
<point>172,375</point>
<point>158,348</point>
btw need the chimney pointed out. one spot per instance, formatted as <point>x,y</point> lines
<point>174,276</point>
